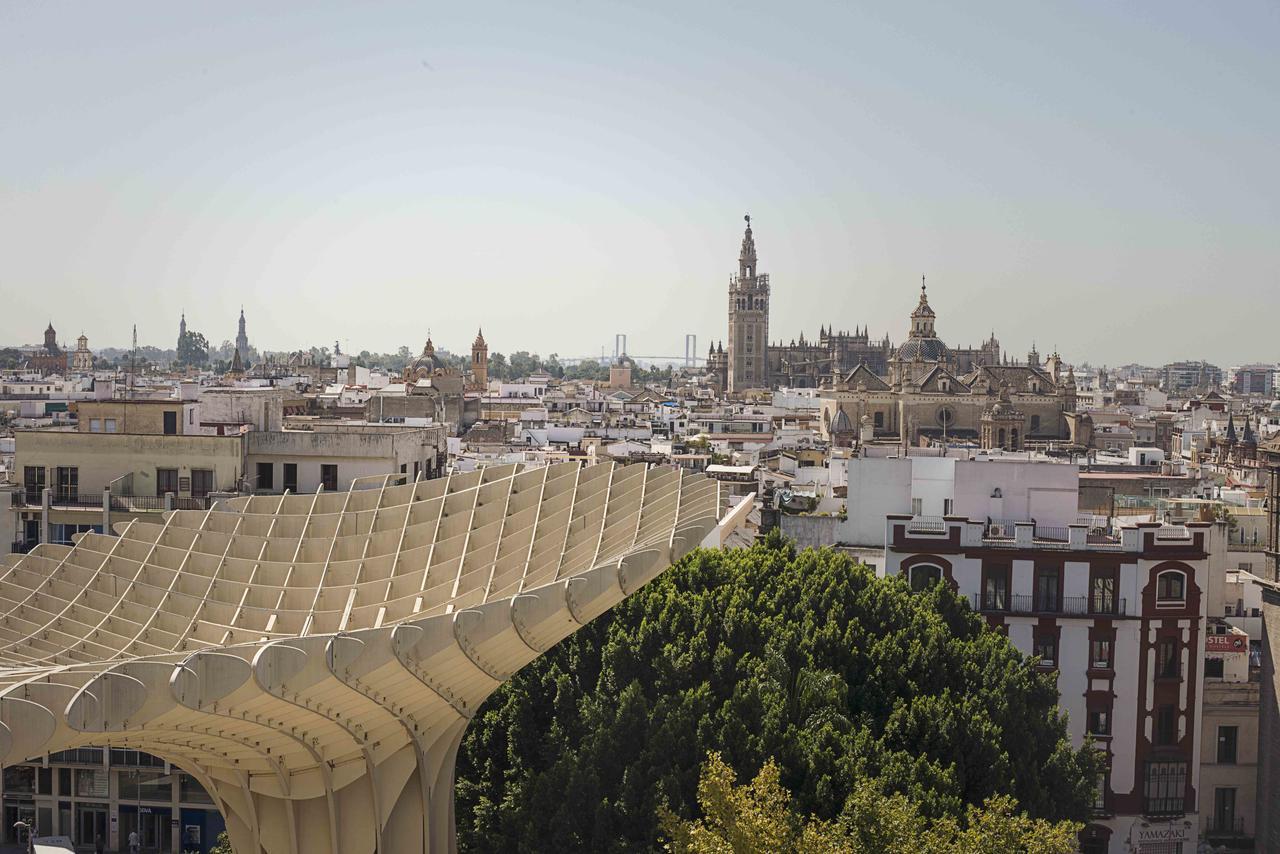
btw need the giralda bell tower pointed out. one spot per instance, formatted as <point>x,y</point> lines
<point>748,321</point>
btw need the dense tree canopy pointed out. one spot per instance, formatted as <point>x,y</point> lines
<point>763,653</point>
<point>755,818</point>
<point>193,350</point>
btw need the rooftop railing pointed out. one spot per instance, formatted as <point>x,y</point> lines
<point>119,503</point>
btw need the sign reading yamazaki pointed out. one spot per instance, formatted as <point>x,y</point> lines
<point>1226,643</point>
<point>1155,833</point>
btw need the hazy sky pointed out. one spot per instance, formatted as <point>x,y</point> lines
<point>1099,176</point>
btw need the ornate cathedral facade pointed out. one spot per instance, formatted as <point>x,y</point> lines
<point>919,390</point>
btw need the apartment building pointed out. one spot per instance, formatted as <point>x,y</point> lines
<point>1229,746</point>
<point>70,482</point>
<point>1120,622</point>
<point>333,455</point>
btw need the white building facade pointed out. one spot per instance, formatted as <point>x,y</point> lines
<point>1120,622</point>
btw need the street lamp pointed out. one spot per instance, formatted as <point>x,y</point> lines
<point>18,827</point>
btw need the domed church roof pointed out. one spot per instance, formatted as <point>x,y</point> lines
<point>922,350</point>
<point>922,344</point>
<point>428,361</point>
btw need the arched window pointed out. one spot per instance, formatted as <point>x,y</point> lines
<point>924,575</point>
<point>1171,586</point>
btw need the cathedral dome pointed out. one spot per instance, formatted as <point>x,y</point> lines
<point>428,361</point>
<point>922,350</point>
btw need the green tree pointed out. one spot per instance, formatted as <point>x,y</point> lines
<point>223,845</point>
<point>498,367</point>
<point>524,363</point>
<point>756,817</point>
<point>760,653</point>
<point>193,350</point>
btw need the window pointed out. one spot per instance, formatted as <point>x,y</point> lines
<point>947,504</point>
<point>266,480</point>
<point>201,482</point>
<point>191,792</point>
<point>1227,737</point>
<point>1046,598</point>
<point>924,575</point>
<point>20,779</point>
<point>1166,726</point>
<point>1099,721</point>
<point>1046,647</point>
<point>1094,843</point>
<point>878,419</point>
<point>170,422</point>
<point>1102,598</point>
<point>291,477</point>
<point>166,481</point>
<point>329,477</point>
<point>1224,811</point>
<point>917,506</point>
<point>1035,423</point>
<point>995,589</point>
<point>1100,654</point>
<point>68,481</point>
<point>145,785</point>
<point>1164,788</point>
<point>33,483</point>
<point>1171,586</point>
<point>91,783</point>
<point>108,425</point>
<point>1167,664</point>
<point>95,425</point>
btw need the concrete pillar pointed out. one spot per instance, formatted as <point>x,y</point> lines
<point>46,501</point>
<point>106,510</point>
<point>1077,536</point>
<point>1024,533</point>
<point>168,501</point>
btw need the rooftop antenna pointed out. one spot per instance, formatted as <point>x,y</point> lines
<point>133,369</point>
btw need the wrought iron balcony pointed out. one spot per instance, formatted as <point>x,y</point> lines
<point>1071,606</point>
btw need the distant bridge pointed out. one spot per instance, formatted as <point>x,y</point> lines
<point>605,360</point>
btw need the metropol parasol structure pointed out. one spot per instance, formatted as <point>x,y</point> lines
<point>313,660</point>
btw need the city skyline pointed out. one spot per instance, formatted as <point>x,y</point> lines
<point>430,170</point>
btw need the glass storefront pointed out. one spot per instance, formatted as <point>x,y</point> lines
<point>91,820</point>
<point>171,812</point>
<point>152,825</point>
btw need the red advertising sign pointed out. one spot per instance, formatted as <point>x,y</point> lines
<point>1226,643</point>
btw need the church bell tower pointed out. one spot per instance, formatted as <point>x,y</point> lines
<point>748,321</point>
